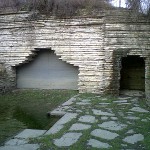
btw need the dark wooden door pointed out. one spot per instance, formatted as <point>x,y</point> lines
<point>133,73</point>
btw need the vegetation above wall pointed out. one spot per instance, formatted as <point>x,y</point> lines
<point>69,8</point>
<point>60,8</point>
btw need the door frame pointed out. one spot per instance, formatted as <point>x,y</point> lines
<point>122,66</point>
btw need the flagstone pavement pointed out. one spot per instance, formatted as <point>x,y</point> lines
<point>97,121</point>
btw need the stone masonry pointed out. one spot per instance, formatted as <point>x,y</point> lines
<point>96,45</point>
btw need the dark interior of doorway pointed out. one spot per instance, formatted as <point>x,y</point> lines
<point>132,73</point>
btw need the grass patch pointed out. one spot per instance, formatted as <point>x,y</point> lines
<point>119,111</point>
<point>33,106</point>
<point>27,109</point>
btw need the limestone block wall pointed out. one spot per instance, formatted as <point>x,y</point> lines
<point>95,45</point>
<point>77,41</point>
<point>126,36</point>
<point>7,78</point>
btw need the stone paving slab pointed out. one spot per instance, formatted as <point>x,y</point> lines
<point>67,139</point>
<point>114,118</point>
<point>98,144</point>
<point>61,110</point>
<point>138,109</point>
<point>134,138</point>
<point>20,141</point>
<point>70,101</point>
<point>30,133</point>
<point>15,142</point>
<point>120,101</point>
<point>60,123</point>
<point>87,119</point>
<point>86,100</point>
<point>130,131</point>
<point>21,147</point>
<point>104,134</point>
<point>112,125</point>
<point>99,112</point>
<point>124,98</point>
<point>132,118</point>
<point>83,103</point>
<point>79,126</point>
<point>100,121</point>
<point>104,118</point>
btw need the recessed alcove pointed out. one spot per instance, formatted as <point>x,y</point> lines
<point>47,71</point>
<point>132,73</point>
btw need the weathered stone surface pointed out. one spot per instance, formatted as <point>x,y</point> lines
<point>87,119</point>
<point>104,118</point>
<point>83,103</point>
<point>103,99</point>
<point>79,126</point>
<point>67,117</point>
<point>67,139</point>
<point>104,103</point>
<point>58,112</point>
<point>123,98</point>
<point>99,112</point>
<point>134,138</point>
<point>121,113</point>
<point>78,111</point>
<point>54,129</point>
<point>30,133</point>
<point>144,120</point>
<point>121,101</point>
<point>70,101</point>
<point>97,144</point>
<point>123,104</point>
<point>21,147</point>
<point>104,134</point>
<point>138,109</point>
<point>132,118</point>
<point>86,100</point>
<point>60,123</point>
<point>130,131</point>
<point>61,110</point>
<point>15,142</point>
<point>112,125</point>
<point>114,118</point>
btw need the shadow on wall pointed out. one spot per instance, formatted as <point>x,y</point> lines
<point>5,79</point>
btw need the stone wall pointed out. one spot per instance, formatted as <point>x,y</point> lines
<point>78,41</point>
<point>95,45</point>
<point>7,78</point>
<point>124,35</point>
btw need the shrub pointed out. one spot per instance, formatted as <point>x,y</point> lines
<point>61,8</point>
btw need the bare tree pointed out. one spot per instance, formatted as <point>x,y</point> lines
<point>119,3</point>
<point>71,7</point>
<point>134,5</point>
<point>139,7</point>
